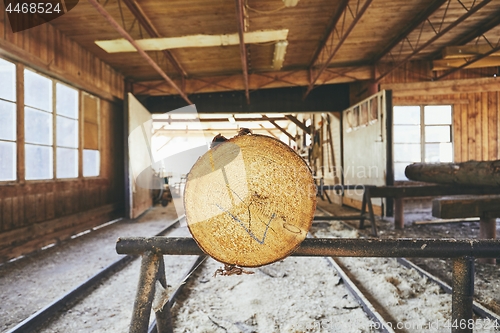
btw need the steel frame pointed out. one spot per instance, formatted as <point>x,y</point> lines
<point>438,34</point>
<point>328,48</point>
<point>461,251</point>
<point>243,48</point>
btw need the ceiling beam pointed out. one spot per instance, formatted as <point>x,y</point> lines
<point>141,17</point>
<point>329,30</point>
<point>345,33</point>
<point>257,81</point>
<point>148,59</point>
<point>470,36</point>
<point>215,120</point>
<point>279,127</point>
<point>471,61</point>
<point>299,124</point>
<point>420,19</point>
<point>268,131</point>
<point>436,37</point>
<point>243,48</point>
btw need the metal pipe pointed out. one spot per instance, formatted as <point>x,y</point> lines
<point>145,292</point>
<point>334,247</point>
<point>129,38</point>
<point>462,297</point>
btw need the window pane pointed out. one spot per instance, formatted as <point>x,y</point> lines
<point>437,114</point>
<point>37,91</point>
<point>38,126</point>
<point>438,152</point>
<point>7,80</point>
<point>406,134</point>
<point>7,160</point>
<point>67,132</point>
<point>38,162</point>
<point>91,163</point>
<point>406,115</point>
<point>437,134</point>
<point>399,171</point>
<point>7,120</point>
<point>66,101</point>
<point>67,163</point>
<point>407,152</point>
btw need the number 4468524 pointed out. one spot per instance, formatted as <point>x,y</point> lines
<point>34,8</point>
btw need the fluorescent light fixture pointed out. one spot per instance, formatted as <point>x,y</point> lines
<point>290,3</point>
<point>279,54</point>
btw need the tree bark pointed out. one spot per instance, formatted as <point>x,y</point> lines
<point>473,173</point>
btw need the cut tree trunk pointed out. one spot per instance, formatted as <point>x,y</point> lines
<point>249,201</point>
<point>473,173</point>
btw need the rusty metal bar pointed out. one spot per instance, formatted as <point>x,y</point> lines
<point>463,293</point>
<point>139,14</point>
<point>129,38</point>
<point>436,37</point>
<point>243,49</point>
<point>338,247</point>
<point>163,316</point>
<point>337,47</point>
<point>145,292</point>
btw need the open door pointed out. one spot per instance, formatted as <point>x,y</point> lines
<point>140,174</point>
<point>367,147</point>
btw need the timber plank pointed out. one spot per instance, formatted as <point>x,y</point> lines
<point>484,127</point>
<point>15,212</point>
<point>464,149</point>
<point>471,129</point>
<point>492,126</point>
<point>40,207</point>
<point>466,206</point>
<point>478,123</point>
<point>457,133</point>
<point>7,213</point>
<point>49,205</point>
<point>30,205</point>
<point>429,191</point>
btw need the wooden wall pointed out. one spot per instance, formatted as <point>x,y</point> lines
<point>474,95</point>
<point>37,213</point>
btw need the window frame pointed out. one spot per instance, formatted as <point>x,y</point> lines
<point>423,141</point>
<point>15,141</point>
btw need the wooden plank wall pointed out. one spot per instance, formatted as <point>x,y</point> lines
<point>475,96</point>
<point>37,213</point>
<point>47,50</point>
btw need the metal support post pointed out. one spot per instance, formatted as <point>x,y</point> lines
<point>462,297</point>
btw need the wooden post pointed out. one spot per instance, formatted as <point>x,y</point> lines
<point>399,216</point>
<point>487,230</point>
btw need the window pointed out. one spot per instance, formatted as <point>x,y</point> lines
<point>38,125</point>
<point>8,133</point>
<point>91,156</point>
<point>421,134</point>
<point>67,131</point>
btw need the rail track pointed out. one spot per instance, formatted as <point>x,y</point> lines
<point>380,318</point>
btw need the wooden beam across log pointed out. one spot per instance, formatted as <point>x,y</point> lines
<point>465,51</point>
<point>264,80</point>
<point>472,173</point>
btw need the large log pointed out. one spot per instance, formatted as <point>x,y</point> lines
<point>473,173</point>
<point>249,201</point>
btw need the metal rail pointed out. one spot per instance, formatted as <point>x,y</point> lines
<point>42,316</point>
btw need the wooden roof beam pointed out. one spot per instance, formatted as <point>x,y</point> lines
<point>299,124</point>
<point>215,120</point>
<point>279,127</point>
<point>436,37</point>
<point>243,48</point>
<point>359,13</point>
<point>472,61</point>
<point>148,59</point>
<point>141,17</point>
